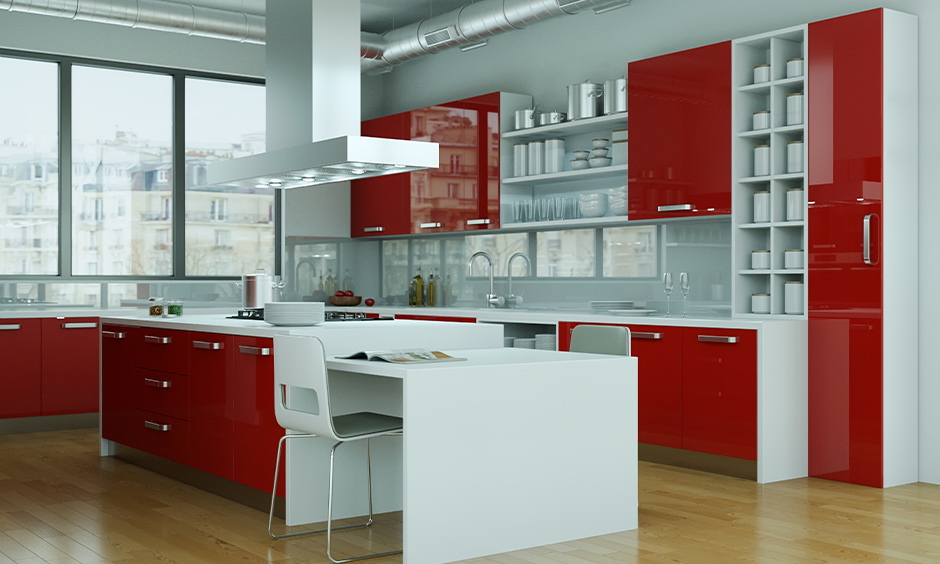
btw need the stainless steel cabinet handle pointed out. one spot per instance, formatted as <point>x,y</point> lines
<point>79,325</point>
<point>113,334</point>
<point>479,221</point>
<point>208,345</point>
<point>866,238</point>
<point>259,351</point>
<point>644,335</point>
<point>431,225</point>
<point>10,327</point>
<point>154,383</point>
<point>157,340</point>
<point>716,339</point>
<point>374,229</point>
<point>157,426</point>
<point>677,207</point>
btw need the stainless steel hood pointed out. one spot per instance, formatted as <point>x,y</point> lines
<point>313,105</point>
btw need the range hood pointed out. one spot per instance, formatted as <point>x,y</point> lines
<point>313,106</point>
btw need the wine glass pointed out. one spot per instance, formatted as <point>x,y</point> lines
<point>684,288</point>
<point>667,287</point>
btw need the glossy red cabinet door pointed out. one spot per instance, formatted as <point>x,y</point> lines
<point>69,365</point>
<point>845,294</point>
<point>165,350</point>
<point>719,391</point>
<point>212,403</point>
<point>255,425</point>
<point>117,385</point>
<point>20,382</point>
<point>379,206</point>
<point>680,123</point>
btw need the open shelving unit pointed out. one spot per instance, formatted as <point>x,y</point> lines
<point>778,234</point>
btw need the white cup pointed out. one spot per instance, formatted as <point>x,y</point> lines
<point>795,204</point>
<point>793,298</point>
<point>760,303</point>
<point>793,258</point>
<point>761,207</point>
<point>760,260</point>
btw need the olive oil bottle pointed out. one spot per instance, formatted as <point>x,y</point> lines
<point>432,290</point>
<point>416,290</point>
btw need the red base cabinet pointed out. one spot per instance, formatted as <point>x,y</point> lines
<point>69,365</point>
<point>21,379</point>
<point>212,403</point>
<point>117,384</point>
<point>862,81</point>
<point>680,117</point>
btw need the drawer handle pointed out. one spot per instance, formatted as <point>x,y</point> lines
<point>154,383</point>
<point>431,225</point>
<point>642,335</point>
<point>157,340</point>
<point>163,428</point>
<point>79,325</point>
<point>208,345</point>
<point>677,207</point>
<point>479,221</point>
<point>113,334</point>
<point>716,339</point>
<point>10,327</point>
<point>259,351</point>
<point>378,229</point>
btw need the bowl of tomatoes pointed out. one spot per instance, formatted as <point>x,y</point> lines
<point>345,299</point>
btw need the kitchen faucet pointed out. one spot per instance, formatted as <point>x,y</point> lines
<point>492,300</point>
<point>513,300</point>
<point>313,267</point>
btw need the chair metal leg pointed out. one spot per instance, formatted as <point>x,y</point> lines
<point>277,468</point>
<point>329,513</point>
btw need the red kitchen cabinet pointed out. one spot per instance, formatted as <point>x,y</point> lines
<point>163,350</point>
<point>659,358</point>
<point>379,205</point>
<point>162,392</point>
<point>680,120</point>
<point>719,391</point>
<point>69,365</point>
<point>212,403</point>
<point>436,318</point>
<point>20,383</point>
<point>255,424</point>
<point>862,82</point>
<point>162,435</point>
<point>117,385</point>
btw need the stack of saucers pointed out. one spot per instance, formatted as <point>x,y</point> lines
<point>545,342</point>
<point>611,305</point>
<point>524,343</point>
<point>293,314</point>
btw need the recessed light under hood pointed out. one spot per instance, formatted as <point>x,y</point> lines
<point>313,106</point>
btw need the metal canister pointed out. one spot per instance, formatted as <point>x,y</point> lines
<point>795,156</point>
<point>554,155</point>
<point>520,159</point>
<point>762,160</point>
<point>585,100</point>
<point>536,157</point>
<point>795,108</point>
<point>615,96</point>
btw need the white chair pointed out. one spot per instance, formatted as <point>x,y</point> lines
<point>600,339</point>
<point>302,404</point>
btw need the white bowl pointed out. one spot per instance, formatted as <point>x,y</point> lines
<point>580,164</point>
<point>593,197</point>
<point>618,191</point>
<point>597,162</point>
<point>581,155</point>
<point>598,143</point>
<point>619,207</point>
<point>594,210</point>
<point>599,151</point>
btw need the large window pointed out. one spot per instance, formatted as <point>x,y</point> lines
<point>225,120</point>
<point>29,168</point>
<point>122,133</point>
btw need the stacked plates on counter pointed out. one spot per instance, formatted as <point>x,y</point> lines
<point>611,305</point>
<point>509,342</point>
<point>293,314</point>
<point>545,342</point>
<point>524,343</point>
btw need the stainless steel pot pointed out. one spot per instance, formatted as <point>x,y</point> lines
<point>585,100</point>
<point>615,96</point>
<point>260,288</point>
<point>549,118</point>
<point>527,118</point>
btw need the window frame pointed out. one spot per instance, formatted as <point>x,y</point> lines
<point>178,176</point>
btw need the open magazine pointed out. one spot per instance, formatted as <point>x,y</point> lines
<point>410,356</point>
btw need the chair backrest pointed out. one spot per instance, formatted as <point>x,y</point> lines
<point>600,339</point>
<point>301,386</point>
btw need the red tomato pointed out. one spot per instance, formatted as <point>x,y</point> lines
<point>349,293</point>
<point>339,293</point>
<point>370,302</point>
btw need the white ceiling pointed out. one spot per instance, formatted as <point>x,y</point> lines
<point>378,16</point>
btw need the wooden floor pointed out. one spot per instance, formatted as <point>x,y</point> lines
<point>61,503</point>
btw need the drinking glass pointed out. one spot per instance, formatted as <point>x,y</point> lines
<point>667,287</point>
<point>684,288</point>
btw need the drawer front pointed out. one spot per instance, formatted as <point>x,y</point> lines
<point>162,392</point>
<point>162,350</point>
<point>162,436</point>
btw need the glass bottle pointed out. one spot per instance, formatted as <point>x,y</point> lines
<point>330,283</point>
<point>432,290</point>
<point>320,285</point>
<point>416,290</point>
<point>448,291</point>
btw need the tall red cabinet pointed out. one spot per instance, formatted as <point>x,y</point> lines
<point>862,248</point>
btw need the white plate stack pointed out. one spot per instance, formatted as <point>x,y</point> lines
<point>545,342</point>
<point>524,343</point>
<point>611,305</point>
<point>293,314</point>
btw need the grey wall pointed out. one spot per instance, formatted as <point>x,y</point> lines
<point>542,59</point>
